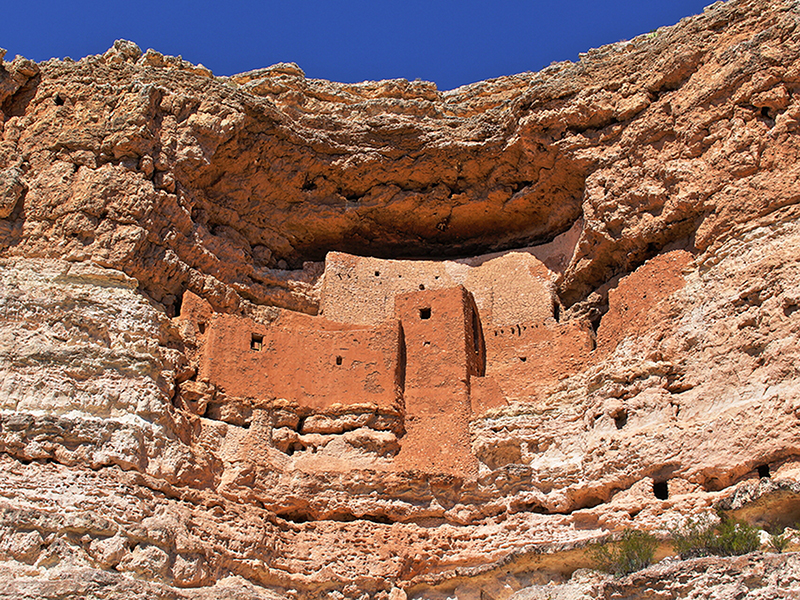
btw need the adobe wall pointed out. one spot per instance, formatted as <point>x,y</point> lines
<point>631,303</point>
<point>442,337</point>
<point>526,351</point>
<point>444,350</point>
<point>508,289</point>
<point>528,358</point>
<point>317,367</point>
<point>524,360</point>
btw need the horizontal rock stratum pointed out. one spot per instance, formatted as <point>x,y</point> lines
<point>266,336</point>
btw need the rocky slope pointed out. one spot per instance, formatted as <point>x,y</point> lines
<point>658,181</point>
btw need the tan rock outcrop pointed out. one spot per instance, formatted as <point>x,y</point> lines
<point>223,371</point>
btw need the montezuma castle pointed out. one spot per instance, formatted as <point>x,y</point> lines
<point>401,357</point>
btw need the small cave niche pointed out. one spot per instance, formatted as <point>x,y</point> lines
<point>530,507</point>
<point>295,517</point>
<point>589,502</point>
<point>201,327</point>
<point>377,273</point>
<point>763,471</point>
<point>380,519</point>
<point>523,358</point>
<point>713,484</point>
<point>421,286</point>
<point>766,117</point>
<point>256,342</point>
<point>177,304</point>
<point>425,313</point>
<point>295,447</point>
<point>661,490</point>
<point>59,100</point>
<point>339,361</point>
<point>620,420</point>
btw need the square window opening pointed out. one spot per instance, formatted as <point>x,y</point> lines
<point>661,490</point>
<point>256,342</point>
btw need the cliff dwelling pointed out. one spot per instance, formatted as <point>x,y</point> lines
<point>406,349</point>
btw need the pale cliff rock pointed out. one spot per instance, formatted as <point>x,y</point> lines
<point>87,374</point>
<point>649,194</point>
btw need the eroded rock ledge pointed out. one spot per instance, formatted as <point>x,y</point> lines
<point>193,404</point>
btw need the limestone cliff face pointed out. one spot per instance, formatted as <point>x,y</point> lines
<point>632,362</point>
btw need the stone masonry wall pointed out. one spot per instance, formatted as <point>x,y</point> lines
<point>508,289</point>
<point>317,368</point>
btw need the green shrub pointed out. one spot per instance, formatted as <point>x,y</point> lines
<point>729,537</point>
<point>735,537</point>
<point>779,540</point>
<point>633,551</point>
<point>693,537</point>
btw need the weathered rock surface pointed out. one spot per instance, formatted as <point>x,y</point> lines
<point>750,577</point>
<point>631,363</point>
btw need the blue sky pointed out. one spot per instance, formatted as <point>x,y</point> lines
<point>451,43</point>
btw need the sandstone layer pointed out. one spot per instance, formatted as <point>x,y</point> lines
<point>266,336</point>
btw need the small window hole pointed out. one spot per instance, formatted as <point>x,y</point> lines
<point>421,286</point>
<point>661,490</point>
<point>339,360</point>
<point>59,100</point>
<point>256,342</point>
<point>377,273</point>
<point>424,313</point>
<point>763,471</point>
<point>523,358</point>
